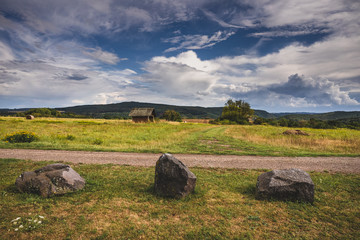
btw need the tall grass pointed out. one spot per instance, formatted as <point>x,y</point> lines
<point>320,140</point>
<point>125,136</point>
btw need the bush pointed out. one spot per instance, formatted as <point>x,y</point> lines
<point>70,137</point>
<point>98,141</point>
<point>20,137</point>
<point>171,115</point>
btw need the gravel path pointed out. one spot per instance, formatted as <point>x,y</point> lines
<point>331,164</point>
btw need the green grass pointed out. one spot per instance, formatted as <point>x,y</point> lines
<point>125,136</point>
<point>118,202</point>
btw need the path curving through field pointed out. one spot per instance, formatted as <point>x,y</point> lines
<point>331,164</point>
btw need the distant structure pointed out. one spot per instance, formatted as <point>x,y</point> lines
<point>30,117</point>
<point>143,115</point>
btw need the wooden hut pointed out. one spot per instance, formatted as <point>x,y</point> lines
<point>30,117</point>
<point>143,115</point>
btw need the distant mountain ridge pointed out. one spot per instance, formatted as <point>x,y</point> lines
<point>201,112</point>
<point>123,109</point>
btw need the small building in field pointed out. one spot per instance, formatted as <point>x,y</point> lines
<point>143,115</point>
<point>30,117</point>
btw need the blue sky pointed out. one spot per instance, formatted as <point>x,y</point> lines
<point>278,55</point>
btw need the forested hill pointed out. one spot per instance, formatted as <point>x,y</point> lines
<point>338,115</point>
<point>122,110</point>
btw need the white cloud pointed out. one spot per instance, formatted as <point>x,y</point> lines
<point>176,79</point>
<point>222,23</point>
<point>197,41</point>
<point>189,58</point>
<point>6,53</point>
<point>290,18</point>
<point>110,97</point>
<point>86,17</point>
<point>263,80</point>
<point>103,56</point>
<point>288,33</point>
<point>314,91</point>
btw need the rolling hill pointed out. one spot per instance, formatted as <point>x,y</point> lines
<point>122,110</point>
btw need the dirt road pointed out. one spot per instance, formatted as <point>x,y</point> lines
<point>331,164</point>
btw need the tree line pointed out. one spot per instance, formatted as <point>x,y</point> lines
<point>240,112</point>
<point>234,112</point>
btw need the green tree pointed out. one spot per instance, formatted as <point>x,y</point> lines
<point>171,115</point>
<point>237,111</point>
<point>43,112</point>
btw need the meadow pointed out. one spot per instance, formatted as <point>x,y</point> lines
<point>125,136</point>
<point>118,202</point>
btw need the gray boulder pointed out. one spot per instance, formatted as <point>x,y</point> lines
<point>173,178</point>
<point>54,179</point>
<point>286,184</point>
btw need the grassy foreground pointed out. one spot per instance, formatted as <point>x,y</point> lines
<point>125,136</point>
<point>118,202</point>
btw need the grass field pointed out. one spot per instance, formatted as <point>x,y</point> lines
<point>125,136</point>
<point>118,202</point>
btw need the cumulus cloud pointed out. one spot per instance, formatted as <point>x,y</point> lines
<point>42,83</point>
<point>298,92</point>
<point>42,46</point>
<point>190,59</point>
<point>260,80</point>
<point>176,79</point>
<point>318,91</point>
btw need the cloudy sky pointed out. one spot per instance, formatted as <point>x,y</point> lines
<point>278,55</point>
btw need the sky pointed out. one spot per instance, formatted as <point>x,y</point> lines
<point>277,55</point>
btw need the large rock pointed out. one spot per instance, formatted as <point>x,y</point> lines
<point>54,179</point>
<point>173,178</point>
<point>287,185</point>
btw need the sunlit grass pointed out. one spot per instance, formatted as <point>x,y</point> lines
<point>125,136</point>
<point>104,135</point>
<point>118,202</point>
<point>320,140</point>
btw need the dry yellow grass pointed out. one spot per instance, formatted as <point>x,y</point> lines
<point>333,140</point>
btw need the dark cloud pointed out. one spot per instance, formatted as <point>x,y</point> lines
<point>77,77</point>
<point>313,90</point>
<point>298,91</point>
<point>8,76</point>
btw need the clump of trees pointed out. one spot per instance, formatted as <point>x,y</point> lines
<point>43,112</point>
<point>235,112</point>
<point>171,115</point>
<point>48,112</point>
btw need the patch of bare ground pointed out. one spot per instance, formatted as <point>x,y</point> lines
<point>331,164</point>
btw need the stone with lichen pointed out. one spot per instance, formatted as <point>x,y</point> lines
<point>54,179</point>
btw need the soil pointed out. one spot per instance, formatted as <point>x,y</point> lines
<point>319,164</point>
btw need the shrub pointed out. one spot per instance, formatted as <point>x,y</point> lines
<point>171,115</point>
<point>98,141</point>
<point>70,137</point>
<point>20,137</point>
